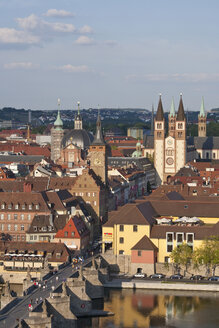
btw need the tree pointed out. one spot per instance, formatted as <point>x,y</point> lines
<point>181,255</point>
<point>207,254</point>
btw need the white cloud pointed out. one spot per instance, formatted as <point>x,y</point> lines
<point>11,36</point>
<point>84,40</point>
<point>58,13</point>
<point>23,65</point>
<point>37,25</point>
<point>74,69</point>
<point>86,29</point>
<point>177,77</point>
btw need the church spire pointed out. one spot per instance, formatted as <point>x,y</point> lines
<point>78,119</point>
<point>58,124</point>
<point>202,109</point>
<point>172,109</point>
<point>160,114</point>
<point>152,120</point>
<point>98,138</point>
<point>181,113</point>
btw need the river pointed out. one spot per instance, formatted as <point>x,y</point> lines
<point>144,309</point>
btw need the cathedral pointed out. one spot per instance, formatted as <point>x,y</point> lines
<point>172,150</point>
<point>70,147</point>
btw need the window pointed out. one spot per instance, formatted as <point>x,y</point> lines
<point>3,206</point>
<point>121,252</point>
<point>166,259</point>
<point>31,237</point>
<point>135,228</point>
<point>179,238</point>
<point>180,125</point>
<point>214,155</point>
<point>15,216</point>
<point>73,234</point>
<point>190,239</point>
<point>30,207</point>
<point>15,227</point>
<point>16,206</point>
<point>37,206</point>
<point>66,233</point>
<point>159,134</point>
<point>2,216</point>
<point>180,134</point>
<point>186,206</point>
<point>9,206</point>
<point>29,216</point>
<point>44,229</point>
<point>35,237</point>
<point>34,228</point>
<point>22,227</point>
<point>23,206</point>
<point>18,238</point>
<point>9,216</point>
<point>121,227</point>
<point>95,203</point>
<point>22,216</point>
<point>58,255</point>
<point>121,240</point>
<point>9,227</point>
<point>139,253</point>
<point>2,227</point>
<point>159,125</point>
<point>169,238</point>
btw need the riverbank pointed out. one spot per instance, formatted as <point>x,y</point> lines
<point>161,285</point>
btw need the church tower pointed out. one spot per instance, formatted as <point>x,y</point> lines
<point>172,120</point>
<point>57,133</point>
<point>78,119</point>
<point>159,147</point>
<point>180,136</point>
<point>98,153</point>
<point>202,120</point>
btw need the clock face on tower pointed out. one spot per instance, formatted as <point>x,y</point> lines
<point>169,160</point>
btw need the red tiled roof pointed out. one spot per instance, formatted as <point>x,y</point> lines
<point>76,226</point>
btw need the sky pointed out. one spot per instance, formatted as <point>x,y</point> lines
<point>117,53</point>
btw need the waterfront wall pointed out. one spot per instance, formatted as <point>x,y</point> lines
<point>119,283</point>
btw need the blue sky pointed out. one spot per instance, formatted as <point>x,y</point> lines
<point>117,53</point>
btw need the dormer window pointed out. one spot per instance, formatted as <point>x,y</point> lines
<point>44,229</point>
<point>34,228</point>
<point>30,207</point>
<point>16,206</point>
<point>37,206</point>
<point>10,206</point>
<point>3,206</point>
<point>23,206</point>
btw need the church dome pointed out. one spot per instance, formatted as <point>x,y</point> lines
<point>80,138</point>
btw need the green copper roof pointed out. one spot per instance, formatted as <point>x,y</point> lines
<point>202,109</point>
<point>172,109</point>
<point>58,122</point>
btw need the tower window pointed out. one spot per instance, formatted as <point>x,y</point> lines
<point>180,134</point>
<point>180,125</point>
<point>159,125</point>
<point>159,134</point>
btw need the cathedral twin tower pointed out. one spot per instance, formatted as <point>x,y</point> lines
<point>170,153</point>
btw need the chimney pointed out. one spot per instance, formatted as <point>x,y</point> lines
<point>27,187</point>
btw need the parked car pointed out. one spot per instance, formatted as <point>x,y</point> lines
<point>214,278</point>
<point>196,277</point>
<point>176,276</point>
<point>157,276</point>
<point>139,275</point>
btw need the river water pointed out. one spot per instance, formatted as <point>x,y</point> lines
<point>144,309</point>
